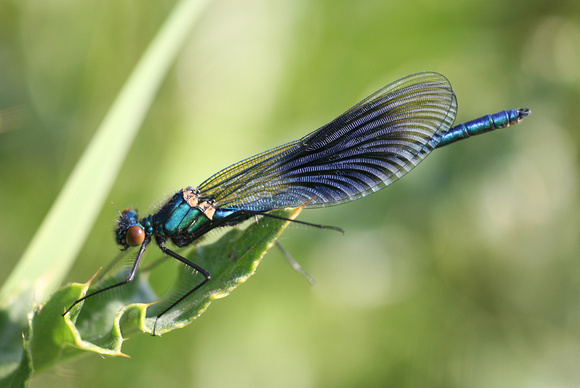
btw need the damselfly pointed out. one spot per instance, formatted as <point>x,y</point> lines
<point>365,149</point>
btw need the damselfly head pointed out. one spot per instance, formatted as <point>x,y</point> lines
<point>130,232</point>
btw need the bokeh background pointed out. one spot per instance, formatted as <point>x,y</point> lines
<point>464,274</point>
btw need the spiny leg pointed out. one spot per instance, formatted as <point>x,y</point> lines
<point>129,278</point>
<point>295,265</point>
<point>269,215</point>
<point>190,264</point>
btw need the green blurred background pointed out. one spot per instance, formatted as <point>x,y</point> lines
<point>465,274</point>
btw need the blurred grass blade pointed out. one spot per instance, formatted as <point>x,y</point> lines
<point>58,240</point>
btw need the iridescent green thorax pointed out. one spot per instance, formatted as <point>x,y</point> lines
<point>183,217</point>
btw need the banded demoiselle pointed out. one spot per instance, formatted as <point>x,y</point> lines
<point>365,149</point>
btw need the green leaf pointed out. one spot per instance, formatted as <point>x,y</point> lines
<point>101,324</point>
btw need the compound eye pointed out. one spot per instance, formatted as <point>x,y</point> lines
<point>135,236</point>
